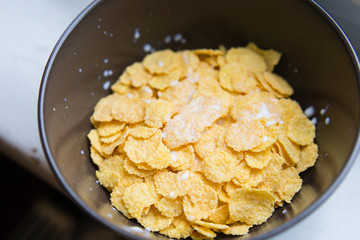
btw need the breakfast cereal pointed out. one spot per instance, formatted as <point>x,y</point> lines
<point>198,142</point>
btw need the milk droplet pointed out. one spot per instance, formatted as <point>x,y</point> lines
<point>167,39</point>
<point>314,120</point>
<point>310,111</point>
<point>106,85</point>
<point>327,121</point>
<point>185,176</point>
<point>324,110</point>
<point>270,123</point>
<point>136,229</point>
<point>173,155</point>
<point>178,37</point>
<point>147,47</point>
<point>136,34</point>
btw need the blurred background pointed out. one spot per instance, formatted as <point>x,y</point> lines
<point>34,206</point>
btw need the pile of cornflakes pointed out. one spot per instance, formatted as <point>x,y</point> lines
<point>198,142</point>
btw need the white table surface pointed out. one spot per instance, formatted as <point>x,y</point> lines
<point>29,31</point>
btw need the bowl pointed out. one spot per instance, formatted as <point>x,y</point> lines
<point>318,61</point>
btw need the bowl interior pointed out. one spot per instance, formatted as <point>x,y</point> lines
<point>316,61</point>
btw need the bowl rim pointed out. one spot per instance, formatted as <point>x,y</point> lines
<point>77,200</point>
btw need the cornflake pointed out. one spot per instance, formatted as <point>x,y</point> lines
<point>199,142</point>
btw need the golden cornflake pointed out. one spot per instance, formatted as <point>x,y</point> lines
<point>208,85</point>
<point>220,215</point>
<point>110,139</point>
<point>237,229</point>
<point>199,176</point>
<point>251,206</point>
<point>198,236</point>
<point>145,93</point>
<point>169,207</point>
<point>138,150</point>
<point>204,231</point>
<point>139,196</point>
<point>197,165</point>
<point>210,56</point>
<point>211,225</point>
<point>150,151</point>
<point>258,160</point>
<point>289,109</point>
<point>242,175</point>
<point>278,84</point>
<point>290,150</point>
<point>207,51</point>
<point>191,211</point>
<point>270,137</point>
<point>161,158</point>
<point>179,228</point>
<point>191,61</point>
<point>163,81</point>
<point>248,59</point>
<point>270,175</point>
<point>111,172</point>
<point>220,166</point>
<point>172,185</point>
<point>143,132</point>
<point>131,168</point>
<point>182,158</point>
<point>256,105</point>
<point>129,110</point>
<point>117,201</point>
<point>308,156</point>
<point>223,197</point>
<point>138,75</point>
<point>95,142</point>
<point>248,134</point>
<point>103,109</point>
<point>234,78</point>
<point>158,112</point>
<point>270,56</point>
<point>96,156</point>
<point>108,149</point>
<point>117,194</point>
<point>301,130</point>
<point>106,129</point>
<point>202,201</point>
<point>154,220</point>
<point>207,142</point>
<point>289,184</point>
<point>162,61</point>
<point>178,95</point>
<point>119,87</point>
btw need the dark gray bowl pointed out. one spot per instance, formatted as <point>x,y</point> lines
<point>318,61</point>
